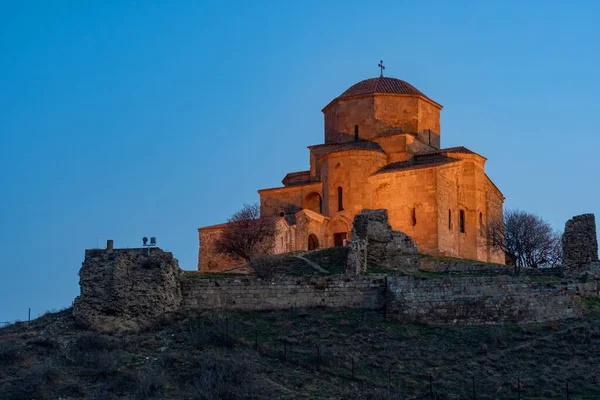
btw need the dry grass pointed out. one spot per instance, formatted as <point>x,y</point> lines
<point>243,356</point>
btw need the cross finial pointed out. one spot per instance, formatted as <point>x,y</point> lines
<point>381,67</point>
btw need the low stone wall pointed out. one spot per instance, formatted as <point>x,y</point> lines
<point>131,289</point>
<point>250,293</point>
<point>457,266</point>
<point>481,300</point>
<point>452,266</point>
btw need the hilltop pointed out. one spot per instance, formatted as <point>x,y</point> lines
<point>235,355</point>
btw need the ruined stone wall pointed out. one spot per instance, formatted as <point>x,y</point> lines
<point>580,245</point>
<point>458,266</point>
<point>481,301</point>
<point>250,293</point>
<point>476,300</point>
<point>376,245</point>
<point>127,289</point>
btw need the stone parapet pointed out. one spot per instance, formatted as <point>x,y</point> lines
<point>482,300</point>
<point>251,293</point>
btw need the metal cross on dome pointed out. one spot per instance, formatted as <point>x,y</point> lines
<point>381,67</point>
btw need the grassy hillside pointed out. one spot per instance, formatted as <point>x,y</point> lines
<point>300,354</point>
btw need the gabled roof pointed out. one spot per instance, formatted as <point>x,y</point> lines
<point>296,178</point>
<point>417,163</point>
<point>457,149</point>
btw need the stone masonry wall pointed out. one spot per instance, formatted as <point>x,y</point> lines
<point>376,245</point>
<point>127,289</point>
<point>580,245</point>
<point>481,300</point>
<point>458,266</point>
<point>250,293</point>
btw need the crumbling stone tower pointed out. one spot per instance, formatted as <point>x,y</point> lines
<point>580,245</point>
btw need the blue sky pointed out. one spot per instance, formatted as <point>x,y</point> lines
<point>123,119</point>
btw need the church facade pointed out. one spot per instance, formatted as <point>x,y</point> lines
<point>381,150</point>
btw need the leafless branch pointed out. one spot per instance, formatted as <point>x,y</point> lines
<point>526,239</point>
<point>247,234</point>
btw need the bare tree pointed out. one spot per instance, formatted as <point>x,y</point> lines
<point>247,234</point>
<point>526,240</point>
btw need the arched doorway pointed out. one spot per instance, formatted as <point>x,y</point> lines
<point>313,242</point>
<point>339,229</point>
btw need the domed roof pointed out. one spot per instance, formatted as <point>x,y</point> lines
<point>381,85</point>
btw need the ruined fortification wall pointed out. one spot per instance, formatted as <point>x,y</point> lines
<point>580,246</point>
<point>459,266</point>
<point>250,293</point>
<point>481,300</point>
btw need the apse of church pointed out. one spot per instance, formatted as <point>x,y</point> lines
<point>381,150</point>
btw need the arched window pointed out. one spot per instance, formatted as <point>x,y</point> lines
<point>340,199</point>
<point>355,132</point>
<point>449,220</point>
<point>414,216</point>
<point>461,221</point>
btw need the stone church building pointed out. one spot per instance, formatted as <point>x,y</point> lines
<point>381,150</point>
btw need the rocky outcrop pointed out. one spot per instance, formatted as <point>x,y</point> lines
<point>127,289</point>
<point>376,245</point>
<point>580,246</point>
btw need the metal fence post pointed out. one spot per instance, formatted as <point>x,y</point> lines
<point>430,384</point>
<point>318,357</point>
<point>284,350</point>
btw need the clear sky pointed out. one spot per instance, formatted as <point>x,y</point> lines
<point>122,119</point>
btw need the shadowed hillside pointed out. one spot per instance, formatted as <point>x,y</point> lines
<point>299,354</point>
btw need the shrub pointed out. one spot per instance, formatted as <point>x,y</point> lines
<point>223,331</point>
<point>168,359</point>
<point>34,385</point>
<point>43,345</point>
<point>95,352</point>
<point>150,383</point>
<point>70,389</point>
<point>223,379</point>
<point>497,336</point>
<point>9,353</point>
<point>264,266</point>
<point>197,335</point>
<point>93,341</point>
